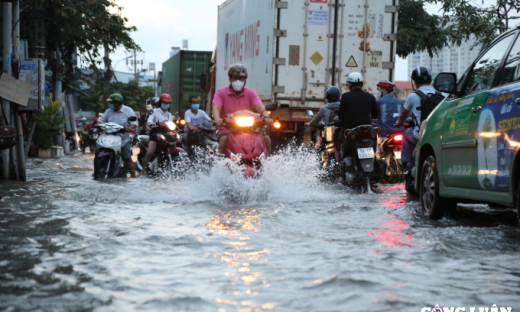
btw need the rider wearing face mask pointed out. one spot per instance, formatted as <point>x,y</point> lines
<point>234,98</point>
<point>194,118</point>
<point>160,114</point>
<point>119,113</point>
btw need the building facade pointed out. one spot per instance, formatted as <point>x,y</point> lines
<point>451,59</point>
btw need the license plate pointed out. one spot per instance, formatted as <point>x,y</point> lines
<point>397,155</point>
<point>365,153</point>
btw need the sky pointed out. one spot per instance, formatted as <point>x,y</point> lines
<point>163,24</point>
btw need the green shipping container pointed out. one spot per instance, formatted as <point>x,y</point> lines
<point>184,75</point>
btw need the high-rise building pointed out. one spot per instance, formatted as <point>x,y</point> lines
<point>451,59</point>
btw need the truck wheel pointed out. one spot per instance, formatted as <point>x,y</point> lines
<point>432,204</point>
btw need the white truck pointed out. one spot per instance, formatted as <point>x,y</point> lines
<point>295,49</point>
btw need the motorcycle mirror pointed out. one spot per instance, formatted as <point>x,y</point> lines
<point>310,113</point>
<point>133,118</point>
<point>271,107</point>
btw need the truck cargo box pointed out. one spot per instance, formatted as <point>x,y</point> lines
<point>181,78</point>
<point>293,54</point>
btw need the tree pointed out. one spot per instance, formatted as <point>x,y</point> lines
<point>133,95</point>
<point>48,123</point>
<point>457,20</point>
<point>417,30</point>
<point>86,26</point>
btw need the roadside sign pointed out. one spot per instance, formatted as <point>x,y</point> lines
<point>15,90</point>
<point>351,62</point>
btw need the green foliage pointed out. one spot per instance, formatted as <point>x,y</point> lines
<point>48,123</point>
<point>417,30</point>
<point>456,21</point>
<point>133,95</point>
<point>85,26</point>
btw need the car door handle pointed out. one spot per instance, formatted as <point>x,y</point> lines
<point>476,109</point>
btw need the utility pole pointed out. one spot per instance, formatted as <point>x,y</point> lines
<point>6,68</point>
<point>136,74</point>
<point>20,147</point>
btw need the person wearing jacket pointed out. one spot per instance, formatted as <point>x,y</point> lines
<point>329,110</point>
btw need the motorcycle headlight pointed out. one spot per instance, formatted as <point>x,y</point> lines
<point>245,121</point>
<point>162,137</point>
<point>171,125</point>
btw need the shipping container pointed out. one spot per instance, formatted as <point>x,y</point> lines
<point>293,54</point>
<point>183,75</point>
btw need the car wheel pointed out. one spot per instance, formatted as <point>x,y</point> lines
<point>432,204</point>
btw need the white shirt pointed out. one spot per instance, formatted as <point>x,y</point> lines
<point>159,116</point>
<point>412,102</point>
<point>195,120</point>
<point>121,118</point>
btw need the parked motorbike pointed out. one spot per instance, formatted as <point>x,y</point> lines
<point>167,152</point>
<point>108,162</point>
<point>356,165</point>
<point>245,145</point>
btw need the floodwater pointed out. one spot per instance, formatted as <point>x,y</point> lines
<point>214,242</point>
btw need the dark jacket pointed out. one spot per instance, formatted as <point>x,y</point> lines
<point>326,112</point>
<point>357,108</point>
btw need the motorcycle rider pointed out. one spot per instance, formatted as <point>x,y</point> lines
<point>194,118</point>
<point>159,115</point>
<point>387,106</point>
<point>357,106</point>
<point>234,98</point>
<point>329,110</point>
<point>144,118</point>
<point>421,79</point>
<point>119,114</point>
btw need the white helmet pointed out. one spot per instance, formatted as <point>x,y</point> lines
<point>355,77</point>
<point>84,118</point>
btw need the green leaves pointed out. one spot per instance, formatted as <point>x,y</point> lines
<point>48,123</point>
<point>456,21</point>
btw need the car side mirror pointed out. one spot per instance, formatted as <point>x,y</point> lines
<point>446,82</point>
<point>310,113</point>
<point>133,118</point>
<point>271,107</point>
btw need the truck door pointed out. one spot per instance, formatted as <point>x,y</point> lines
<point>460,128</point>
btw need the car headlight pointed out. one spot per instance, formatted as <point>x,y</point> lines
<point>171,125</point>
<point>245,121</point>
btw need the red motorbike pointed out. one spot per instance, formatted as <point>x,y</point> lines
<point>168,150</point>
<point>245,144</point>
<point>391,152</point>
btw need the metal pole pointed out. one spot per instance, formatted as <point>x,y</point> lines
<point>18,120</point>
<point>334,42</point>
<point>6,68</point>
<point>135,67</point>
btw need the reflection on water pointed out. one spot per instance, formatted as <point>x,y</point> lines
<point>245,263</point>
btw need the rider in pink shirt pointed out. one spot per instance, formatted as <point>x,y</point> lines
<point>237,97</point>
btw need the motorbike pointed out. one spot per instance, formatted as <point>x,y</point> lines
<point>391,153</point>
<point>85,140</point>
<point>107,161</point>
<point>245,145</point>
<point>354,159</point>
<point>167,152</point>
<point>409,174</point>
<point>207,138</point>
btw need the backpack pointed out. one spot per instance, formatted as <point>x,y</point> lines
<point>428,103</point>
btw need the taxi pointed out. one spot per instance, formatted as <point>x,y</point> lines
<point>468,149</point>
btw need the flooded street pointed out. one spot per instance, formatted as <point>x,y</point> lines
<point>214,242</point>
